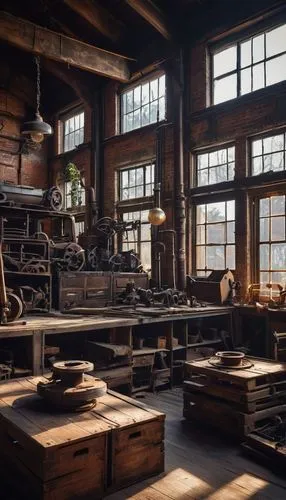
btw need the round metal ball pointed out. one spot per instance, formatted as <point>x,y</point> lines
<point>156,216</point>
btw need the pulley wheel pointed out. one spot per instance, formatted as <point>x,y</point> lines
<point>15,307</point>
<point>73,366</point>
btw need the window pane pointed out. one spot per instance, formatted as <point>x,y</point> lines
<point>200,235</point>
<point>203,177</point>
<point>279,277</point>
<point>71,124</point>
<point>139,175</point>
<point>162,108</point>
<point>200,258</point>
<point>137,97</point>
<point>230,257</point>
<point>76,118</point>
<point>273,143</point>
<point>277,205</point>
<point>129,101</point>
<point>224,61</point>
<point>257,165</point>
<point>245,81</point>
<point>129,122</point>
<point>145,232</point>
<point>264,277</point>
<point>258,48</point>
<point>145,115</point>
<point>277,161</point>
<point>137,118</point>
<point>132,177</point>
<point>162,86</point>
<point>264,230</point>
<point>231,153</point>
<point>264,257</point>
<point>145,256</point>
<point>230,232</point>
<point>139,192</point>
<point>202,161</point>
<point>218,174</point>
<point>225,89</point>
<point>278,229</point>
<point>276,41</point>
<point>201,210</point>
<point>216,212</point>
<point>276,70</point>
<point>154,111</point>
<point>257,147</point>
<point>216,233</point>
<point>231,171</point>
<point>215,257</point>
<point>81,120</point>
<point>264,207</point>
<point>145,93</point>
<point>258,76</point>
<point>245,53</point>
<point>278,256</point>
<point>230,206</point>
<point>154,90</point>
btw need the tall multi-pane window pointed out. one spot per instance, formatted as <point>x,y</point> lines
<point>272,240</point>
<point>136,182</point>
<point>74,195</point>
<point>215,237</point>
<point>268,153</point>
<point>143,104</point>
<point>139,240</point>
<point>249,65</point>
<point>215,166</point>
<point>73,131</point>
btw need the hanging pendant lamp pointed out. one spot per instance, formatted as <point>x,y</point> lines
<point>37,129</point>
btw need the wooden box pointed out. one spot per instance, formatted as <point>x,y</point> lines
<point>137,439</point>
<point>60,454</point>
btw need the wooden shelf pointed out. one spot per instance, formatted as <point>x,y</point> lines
<point>147,350</point>
<point>178,347</point>
<point>205,343</point>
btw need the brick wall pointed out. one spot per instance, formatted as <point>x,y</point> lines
<point>29,169</point>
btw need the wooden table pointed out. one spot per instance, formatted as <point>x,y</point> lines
<point>39,327</point>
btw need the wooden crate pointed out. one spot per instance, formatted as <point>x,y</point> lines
<point>62,454</point>
<point>137,443</point>
<point>263,373</point>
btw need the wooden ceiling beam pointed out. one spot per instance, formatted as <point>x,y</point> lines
<point>151,14</point>
<point>42,41</point>
<point>99,17</point>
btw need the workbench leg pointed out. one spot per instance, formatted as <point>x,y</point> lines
<point>38,352</point>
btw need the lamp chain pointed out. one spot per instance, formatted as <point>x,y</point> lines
<point>37,61</point>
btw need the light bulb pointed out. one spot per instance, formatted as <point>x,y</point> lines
<point>156,216</point>
<point>37,137</point>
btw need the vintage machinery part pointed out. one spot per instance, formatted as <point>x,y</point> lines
<point>70,256</point>
<point>5,371</point>
<point>53,198</point>
<point>217,362</point>
<point>230,358</point>
<point>105,227</point>
<point>125,262</point>
<point>33,300</point>
<point>41,236</point>
<point>33,266</point>
<point>70,388</point>
<point>3,197</point>
<point>148,297</point>
<point>15,307</point>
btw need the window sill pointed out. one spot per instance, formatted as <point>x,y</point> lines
<point>77,149</point>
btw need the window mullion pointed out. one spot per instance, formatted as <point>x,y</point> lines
<point>238,68</point>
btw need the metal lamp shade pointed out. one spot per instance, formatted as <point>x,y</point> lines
<point>36,126</point>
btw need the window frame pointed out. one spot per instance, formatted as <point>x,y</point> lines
<point>228,40</point>
<point>140,82</point>
<point>134,167</point>
<point>255,220</point>
<point>265,135</point>
<point>63,119</point>
<point>205,200</point>
<point>208,150</point>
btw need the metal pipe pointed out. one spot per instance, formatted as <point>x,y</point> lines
<point>180,208</point>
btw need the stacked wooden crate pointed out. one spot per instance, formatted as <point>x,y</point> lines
<point>235,401</point>
<point>64,455</point>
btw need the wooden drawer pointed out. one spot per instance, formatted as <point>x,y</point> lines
<point>144,360</point>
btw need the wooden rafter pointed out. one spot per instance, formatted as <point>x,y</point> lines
<point>38,40</point>
<point>151,14</point>
<point>100,18</point>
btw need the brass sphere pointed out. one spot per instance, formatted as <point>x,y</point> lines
<point>156,216</point>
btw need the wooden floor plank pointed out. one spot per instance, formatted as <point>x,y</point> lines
<point>201,464</point>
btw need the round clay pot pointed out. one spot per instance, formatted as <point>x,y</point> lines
<point>231,358</point>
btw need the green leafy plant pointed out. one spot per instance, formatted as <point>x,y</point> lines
<point>72,175</point>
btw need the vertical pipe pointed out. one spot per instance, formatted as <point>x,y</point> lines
<point>180,207</point>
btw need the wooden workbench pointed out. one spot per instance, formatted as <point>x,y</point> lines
<point>38,327</point>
